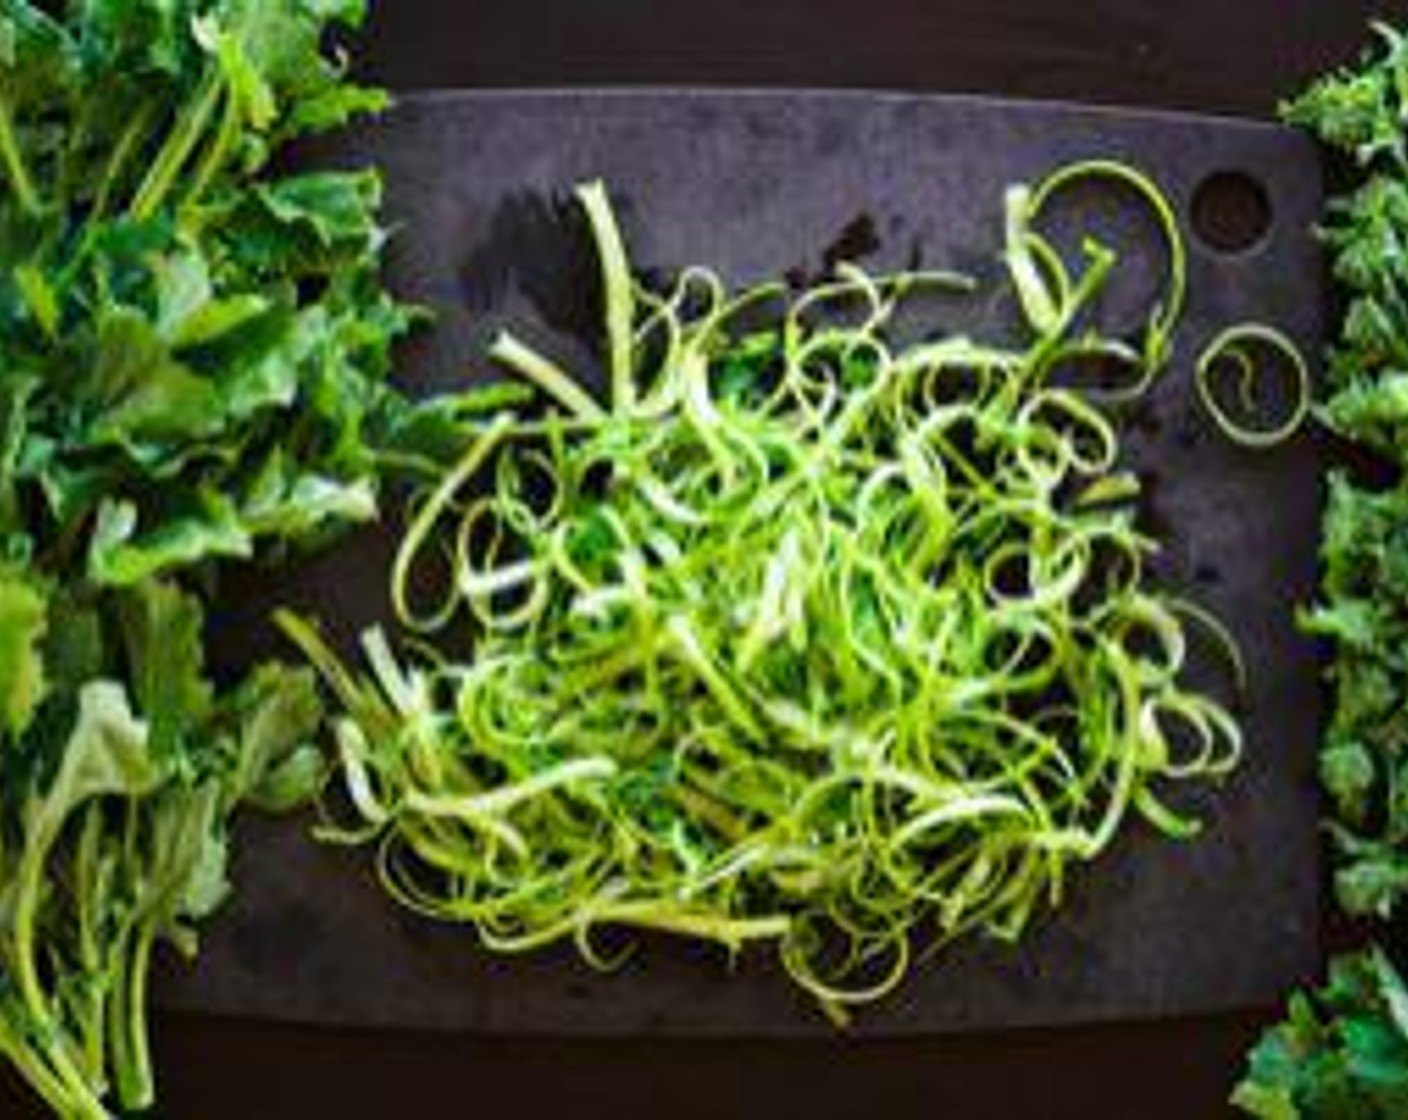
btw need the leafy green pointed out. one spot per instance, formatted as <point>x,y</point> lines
<point>1360,111</point>
<point>23,621</point>
<point>119,557</point>
<point>1341,1052</point>
<point>194,349</point>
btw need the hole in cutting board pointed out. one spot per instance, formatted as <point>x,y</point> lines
<point>1231,212</point>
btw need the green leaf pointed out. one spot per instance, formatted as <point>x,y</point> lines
<point>286,504</point>
<point>433,432</point>
<point>106,755</point>
<point>1265,1102</point>
<point>144,393</point>
<point>15,395</point>
<point>1371,887</point>
<point>189,863</point>
<point>171,404</point>
<point>23,622</point>
<point>335,207</point>
<point>217,318</point>
<point>127,348</point>
<point>246,85</point>
<point>39,298</point>
<point>334,107</point>
<point>265,369</point>
<point>161,631</point>
<point>182,288</point>
<point>291,783</point>
<point>1374,411</point>
<point>136,36</point>
<point>188,312</point>
<point>119,556</point>
<point>283,41</point>
<point>1341,1051</point>
<point>36,56</point>
<point>1358,109</point>
<point>278,766</point>
<point>207,885</point>
<point>74,652</point>
<point>1357,624</point>
<point>1347,771</point>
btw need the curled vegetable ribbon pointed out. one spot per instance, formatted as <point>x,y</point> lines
<point>1230,348</point>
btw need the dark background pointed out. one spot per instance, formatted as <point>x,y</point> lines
<point>1227,56</point>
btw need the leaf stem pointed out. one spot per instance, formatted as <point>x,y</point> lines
<point>15,168</point>
<point>180,143</point>
<point>132,1065</point>
<point>32,1066</point>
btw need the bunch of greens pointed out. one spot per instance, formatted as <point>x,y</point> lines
<point>1341,1053</point>
<point>192,353</point>
<point>1364,547</point>
<point>806,636</point>
<point>1344,1053</point>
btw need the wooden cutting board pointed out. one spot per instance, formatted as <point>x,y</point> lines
<point>757,184</point>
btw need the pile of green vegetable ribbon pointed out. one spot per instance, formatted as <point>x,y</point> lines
<point>194,359</point>
<point>805,636</point>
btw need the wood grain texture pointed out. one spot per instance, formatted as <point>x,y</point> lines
<point>1235,56</point>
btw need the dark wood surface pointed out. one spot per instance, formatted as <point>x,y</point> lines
<point>1236,56</point>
